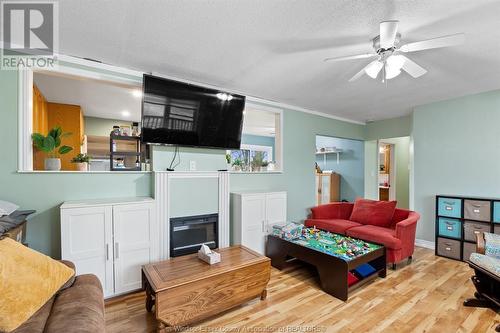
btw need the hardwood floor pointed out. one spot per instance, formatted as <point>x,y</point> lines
<point>425,296</point>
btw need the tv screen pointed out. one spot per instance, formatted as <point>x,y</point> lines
<point>183,114</point>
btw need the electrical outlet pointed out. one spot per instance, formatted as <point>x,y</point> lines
<point>192,165</point>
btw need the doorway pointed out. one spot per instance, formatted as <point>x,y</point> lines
<point>387,170</point>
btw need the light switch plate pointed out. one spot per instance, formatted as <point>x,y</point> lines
<point>192,165</point>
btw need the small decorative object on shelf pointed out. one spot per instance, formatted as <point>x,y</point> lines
<point>135,129</point>
<point>125,130</point>
<point>208,256</point>
<point>81,162</point>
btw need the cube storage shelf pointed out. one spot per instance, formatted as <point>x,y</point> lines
<point>459,219</point>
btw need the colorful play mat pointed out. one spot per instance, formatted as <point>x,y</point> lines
<point>340,246</point>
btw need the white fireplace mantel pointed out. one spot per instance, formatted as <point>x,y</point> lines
<point>162,197</point>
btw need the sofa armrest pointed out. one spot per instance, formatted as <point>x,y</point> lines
<point>406,229</point>
<point>334,210</point>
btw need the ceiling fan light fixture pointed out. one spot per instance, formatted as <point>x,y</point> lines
<point>391,73</point>
<point>373,69</point>
<point>396,61</point>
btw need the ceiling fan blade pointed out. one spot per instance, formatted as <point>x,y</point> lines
<point>413,68</point>
<point>388,31</point>
<point>434,43</point>
<point>358,56</point>
<point>374,67</point>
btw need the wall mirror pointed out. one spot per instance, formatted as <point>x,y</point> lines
<point>261,144</point>
<point>98,118</point>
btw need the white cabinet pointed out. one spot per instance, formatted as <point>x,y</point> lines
<point>111,239</point>
<point>252,216</point>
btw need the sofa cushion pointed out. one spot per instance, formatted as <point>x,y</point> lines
<point>489,264</point>
<point>28,280</point>
<point>79,309</point>
<point>373,212</point>
<point>337,226</point>
<point>380,235</point>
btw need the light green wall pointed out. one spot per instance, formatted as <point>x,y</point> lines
<point>457,151</point>
<point>371,170</point>
<point>102,126</point>
<point>389,128</point>
<point>194,196</point>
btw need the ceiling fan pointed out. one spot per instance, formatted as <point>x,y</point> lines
<point>390,59</point>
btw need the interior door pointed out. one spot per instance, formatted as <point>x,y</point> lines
<point>275,209</point>
<point>87,239</point>
<point>253,222</point>
<point>134,230</point>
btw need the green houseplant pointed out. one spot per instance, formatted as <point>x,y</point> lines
<point>81,162</point>
<point>257,161</point>
<point>51,145</point>
<point>237,164</point>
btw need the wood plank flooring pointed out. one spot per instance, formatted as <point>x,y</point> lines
<point>425,296</point>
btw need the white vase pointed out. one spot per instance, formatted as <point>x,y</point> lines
<point>81,166</point>
<point>52,164</point>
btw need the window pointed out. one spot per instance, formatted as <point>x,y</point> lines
<point>261,148</point>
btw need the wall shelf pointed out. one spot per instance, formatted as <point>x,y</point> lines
<point>325,153</point>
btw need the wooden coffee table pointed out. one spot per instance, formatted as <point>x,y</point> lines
<point>332,268</point>
<point>185,290</point>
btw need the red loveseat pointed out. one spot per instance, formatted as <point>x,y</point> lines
<point>398,235</point>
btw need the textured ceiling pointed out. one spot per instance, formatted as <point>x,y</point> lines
<point>275,49</point>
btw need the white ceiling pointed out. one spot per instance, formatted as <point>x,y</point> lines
<point>96,98</point>
<point>275,49</point>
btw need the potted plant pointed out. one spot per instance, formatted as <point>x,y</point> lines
<point>228,161</point>
<point>237,164</point>
<point>257,161</point>
<point>264,165</point>
<point>51,144</point>
<point>81,161</point>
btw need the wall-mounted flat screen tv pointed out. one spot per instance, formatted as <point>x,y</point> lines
<point>182,114</point>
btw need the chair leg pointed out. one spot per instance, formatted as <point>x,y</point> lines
<point>478,303</point>
<point>393,266</point>
<point>409,259</point>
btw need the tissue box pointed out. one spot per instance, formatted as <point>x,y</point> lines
<point>210,258</point>
<point>288,231</point>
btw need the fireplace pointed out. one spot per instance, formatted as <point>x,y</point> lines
<point>188,233</point>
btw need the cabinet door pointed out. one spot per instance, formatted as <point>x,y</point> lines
<point>325,189</point>
<point>275,209</point>
<point>86,240</point>
<point>135,233</point>
<point>253,222</point>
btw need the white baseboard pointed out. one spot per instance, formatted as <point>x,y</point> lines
<point>425,243</point>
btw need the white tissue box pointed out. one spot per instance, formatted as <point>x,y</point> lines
<point>210,258</point>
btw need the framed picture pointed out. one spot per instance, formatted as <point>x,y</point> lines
<point>125,130</point>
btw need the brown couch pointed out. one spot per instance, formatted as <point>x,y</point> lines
<point>77,308</point>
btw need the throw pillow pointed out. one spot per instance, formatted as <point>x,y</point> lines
<point>378,213</point>
<point>28,279</point>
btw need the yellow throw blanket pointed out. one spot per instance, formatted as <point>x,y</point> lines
<point>28,279</point>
